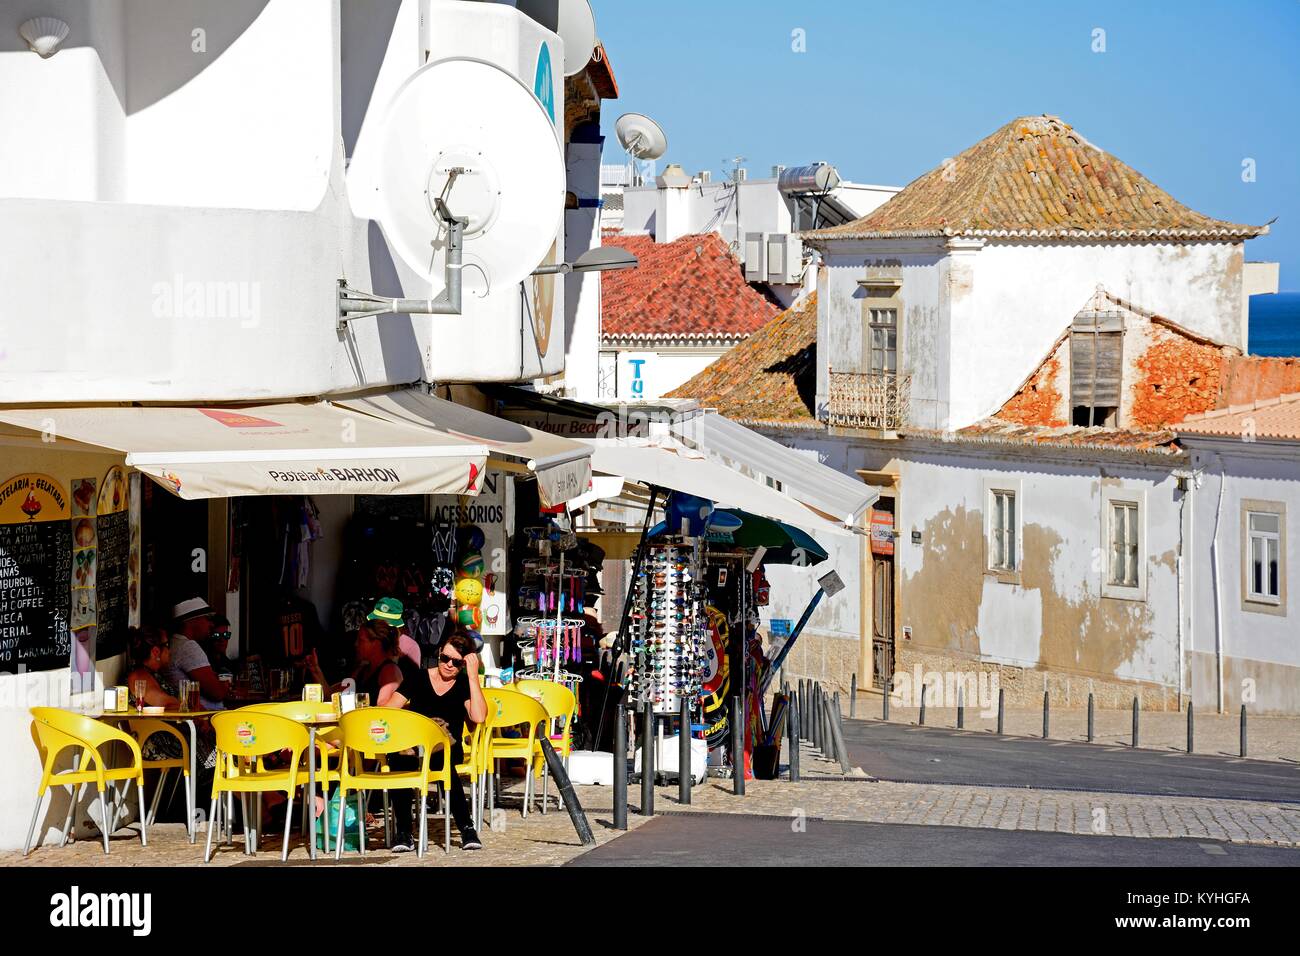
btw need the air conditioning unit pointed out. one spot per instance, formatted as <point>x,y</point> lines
<point>784,259</point>
<point>756,257</point>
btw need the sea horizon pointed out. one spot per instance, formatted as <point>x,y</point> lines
<point>1275,324</point>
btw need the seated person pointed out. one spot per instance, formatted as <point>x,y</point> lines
<point>191,628</point>
<point>377,673</point>
<point>149,652</point>
<point>218,643</point>
<point>150,655</point>
<point>449,693</point>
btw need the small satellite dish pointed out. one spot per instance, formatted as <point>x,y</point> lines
<point>577,28</point>
<point>471,134</point>
<point>641,136</point>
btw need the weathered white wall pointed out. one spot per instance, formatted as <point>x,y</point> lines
<point>1056,615</point>
<point>582,290</point>
<point>1261,648</point>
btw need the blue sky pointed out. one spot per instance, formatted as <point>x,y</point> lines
<point>1184,92</point>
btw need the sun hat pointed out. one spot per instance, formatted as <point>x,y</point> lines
<point>191,608</point>
<point>387,609</point>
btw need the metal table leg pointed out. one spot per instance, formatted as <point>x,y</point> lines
<point>192,791</point>
<point>311,789</point>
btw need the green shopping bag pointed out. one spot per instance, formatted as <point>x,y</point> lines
<point>351,831</point>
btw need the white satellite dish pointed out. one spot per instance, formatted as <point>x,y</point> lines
<point>641,136</point>
<point>577,28</point>
<point>471,134</point>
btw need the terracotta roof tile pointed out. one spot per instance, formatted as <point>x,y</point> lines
<point>692,287</point>
<point>1035,177</point>
<point>771,377</point>
<point>1268,418</point>
<point>995,431</point>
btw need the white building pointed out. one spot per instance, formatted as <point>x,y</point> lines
<point>1003,349</point>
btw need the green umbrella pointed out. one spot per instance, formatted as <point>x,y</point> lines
<point>785,543</point>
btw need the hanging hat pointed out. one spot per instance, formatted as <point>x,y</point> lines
<point>191,608</point>
<point>387,609</point>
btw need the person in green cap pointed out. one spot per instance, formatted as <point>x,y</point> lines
<point>393,613</point>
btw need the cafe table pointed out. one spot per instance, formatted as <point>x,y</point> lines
<point>190,719</point>
<point>324,718</point>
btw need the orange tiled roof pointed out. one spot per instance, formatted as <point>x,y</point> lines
<point>1036,177</point>
<point>1268,418</point>
<point>1250,378</point>
<point>770,377</point>
<point>691,288</point>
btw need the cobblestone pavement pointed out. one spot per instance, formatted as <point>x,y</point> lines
<point>548,840</point>
<point>1269,738</point>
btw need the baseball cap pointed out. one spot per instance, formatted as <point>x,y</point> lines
<point>387,609</point>
<point>191,608</point>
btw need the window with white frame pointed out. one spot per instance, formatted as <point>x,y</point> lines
<point>1264,556</point>
<point>1124,544</point>
<point>1123,551</point>
<point>1002,530</point>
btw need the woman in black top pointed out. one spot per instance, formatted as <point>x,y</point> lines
<point>449,693</point>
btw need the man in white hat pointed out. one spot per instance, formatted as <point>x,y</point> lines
<point>191,628</point>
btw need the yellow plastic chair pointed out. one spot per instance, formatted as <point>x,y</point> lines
<point>328,744</point>
<point>474,766</point>
<point>142,730</point>
<point>54,731</point>
<point>244,739</point>
<point>561,706</point>
<point>380,731</point>
<point>512,709</point>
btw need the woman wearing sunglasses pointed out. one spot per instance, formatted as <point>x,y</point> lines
<point>448,692</point>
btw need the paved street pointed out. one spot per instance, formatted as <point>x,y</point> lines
<point>678,840</point>
<point>901,752</point>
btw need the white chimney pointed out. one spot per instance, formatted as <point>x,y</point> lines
<point>672,204</point>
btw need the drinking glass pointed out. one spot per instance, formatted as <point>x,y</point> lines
<point>363,701</point>
<point>140,687</point>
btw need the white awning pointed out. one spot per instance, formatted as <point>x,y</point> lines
<point>667,463</point>
<point>287,448</point>
<point>801,475</point>
<point>562,466</point>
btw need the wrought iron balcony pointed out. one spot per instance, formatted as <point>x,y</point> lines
<point>876,400</point>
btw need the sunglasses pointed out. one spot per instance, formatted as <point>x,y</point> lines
<point>221,635</point>
<point>457,662</point>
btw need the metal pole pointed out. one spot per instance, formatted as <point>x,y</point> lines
<point>648,760</point>
<point>922,716</point>
<point>565,787</point>
<point>1090,719</point>
<point>1243,730</point>
<point>1046,712</point>
<point>828,716</point>
<point>1191,725</point>
<point>815,710</point>
<point>737,746</point>
<point>837,732</point>
<point>794,741</point>
<point>1135,722</point>
<point>961,708</point>
<point>620,766</point>
<point>1002,709</point>
<point>853,695</point>
<point>884,703</point>
<point>684,754</point>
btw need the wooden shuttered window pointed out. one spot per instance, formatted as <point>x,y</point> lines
<point>1096,361</point>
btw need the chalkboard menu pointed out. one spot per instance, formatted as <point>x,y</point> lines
<point>35,574</point>
<point>114,535</point>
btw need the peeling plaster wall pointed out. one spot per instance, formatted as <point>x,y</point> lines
<point>1054,617</point>
<point>1014,323</point>
<point>1261,646</point>
<point>974,329</point>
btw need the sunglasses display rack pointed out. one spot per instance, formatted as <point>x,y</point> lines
<point>548,645</point>
<point>669,628</point>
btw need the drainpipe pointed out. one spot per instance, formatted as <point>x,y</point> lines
<point>1218,595</point>
<point>1182,595</point>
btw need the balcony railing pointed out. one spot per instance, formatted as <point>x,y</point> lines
<point>869,400</point>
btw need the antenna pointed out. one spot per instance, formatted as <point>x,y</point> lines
<point>641,136</point>
<point>577,28</point>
